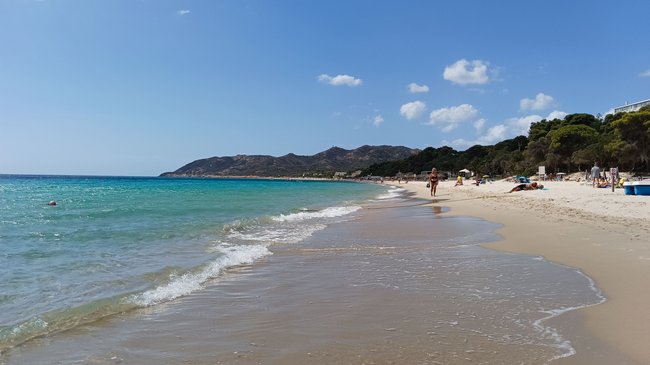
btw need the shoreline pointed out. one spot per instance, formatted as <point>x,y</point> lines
<point>398,283</point>
<point>580,227</point>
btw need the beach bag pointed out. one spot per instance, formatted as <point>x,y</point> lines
<point>428,185</point>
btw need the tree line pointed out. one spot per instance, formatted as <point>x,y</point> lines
<point>567,145</point>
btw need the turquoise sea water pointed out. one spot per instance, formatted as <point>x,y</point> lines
<point>115,243</point>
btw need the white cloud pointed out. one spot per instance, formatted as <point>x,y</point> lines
<point>541,102</point>
<point>415,88</point>
<point>479,124</point>
<point>519,126</point>
<point>645,73</point>
<point>183,12</point>
<point>494,134</point>
<point>556,114</point>
<point>465,72</point>
<point>459,144</point>
<point>339,80</point>
<point>450,118</point>
<point>377,120</point>
<point>413,109</point>
<point>511,128</point>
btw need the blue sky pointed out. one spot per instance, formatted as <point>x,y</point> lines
<point>142,87</point>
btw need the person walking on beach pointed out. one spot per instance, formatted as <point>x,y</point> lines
<point>595,174</point>
<point>433,181</point>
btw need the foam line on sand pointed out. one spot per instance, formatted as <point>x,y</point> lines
<point>602,233</point>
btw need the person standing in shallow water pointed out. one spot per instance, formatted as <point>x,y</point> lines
<point>433,181</point>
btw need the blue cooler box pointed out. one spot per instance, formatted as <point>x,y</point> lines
<point>628,186</point>
<point>642,187</point>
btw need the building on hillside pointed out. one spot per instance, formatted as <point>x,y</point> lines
<point>627,108</point>
<point>355,174</point>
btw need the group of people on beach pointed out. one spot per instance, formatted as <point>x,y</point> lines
<point>598,180</point>
<point>434,178</point>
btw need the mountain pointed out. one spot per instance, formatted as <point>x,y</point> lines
<point>321,164</point>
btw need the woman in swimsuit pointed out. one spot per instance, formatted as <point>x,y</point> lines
<point>433,181</point>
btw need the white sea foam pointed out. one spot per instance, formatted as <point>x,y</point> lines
<point>561,342</point>
<point>286,234</point>
<point>286,228</point>
<point>393,193</point>
<point>35,324</point>
<point>190,282</point>
<point>330,212</point>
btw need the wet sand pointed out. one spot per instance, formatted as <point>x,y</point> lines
<point>604,234</point>
<point>375,290</point>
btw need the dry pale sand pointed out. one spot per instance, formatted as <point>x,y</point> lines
<point>603,233</point>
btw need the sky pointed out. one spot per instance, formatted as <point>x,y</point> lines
<point>141,87</point>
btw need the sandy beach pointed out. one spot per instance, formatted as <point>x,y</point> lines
<point>600,232</point>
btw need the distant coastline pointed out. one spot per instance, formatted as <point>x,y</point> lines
<point>334,162</point>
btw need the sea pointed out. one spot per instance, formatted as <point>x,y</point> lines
<point>118,247</point>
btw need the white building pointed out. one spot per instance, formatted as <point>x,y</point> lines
<point>627,108</point>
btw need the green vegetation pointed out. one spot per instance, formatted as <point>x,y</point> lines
<point>568,145</point>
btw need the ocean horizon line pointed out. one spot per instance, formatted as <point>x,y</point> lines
<point>243,177</point>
